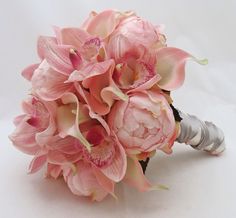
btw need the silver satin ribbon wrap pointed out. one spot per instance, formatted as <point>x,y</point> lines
<point>201,135</point>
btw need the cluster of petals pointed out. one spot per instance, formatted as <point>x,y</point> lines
<point>99,102</point>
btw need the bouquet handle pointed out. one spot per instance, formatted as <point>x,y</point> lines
<point>201,135</point>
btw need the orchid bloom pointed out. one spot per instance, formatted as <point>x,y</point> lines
<point>98,147</point>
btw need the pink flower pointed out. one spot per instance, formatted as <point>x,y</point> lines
<point>170,66</point>
<point>133,46</point>
<point>35,127</point>
<point>97,145</point>
<point>85,180</point>
<point>60,56</point>
<point>97,86</point>
<point>138,32</point>
<point>144,123</point>
<point>100,152</point>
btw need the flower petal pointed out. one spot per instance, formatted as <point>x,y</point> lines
<point>91,70</point>
<point>98,79</point>
<point>73,36</point>
<point>147,85</point>
<point>67,145</point>
<point>98,118</point>
<point>134,176</point>
<point>84,183</point>
<point>57,56</point>
<point>116,170</point>
<point>37,163</point>
<point>68,120</point>
<point>170,66</point>
<point>57,157</point>
<point>111,93</point>
<point>43,42</point>
<point>96,106</point>
<point>105,183</point>
<point>23,137</point>
<point>103,24</point>
<point>118,46</point>
<point>53,170</point>
<point>44,137</point>
<point>49,84</point>
<point>28,72</point>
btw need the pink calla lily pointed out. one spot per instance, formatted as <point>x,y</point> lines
<point>135,177</point>
<point>104,23</point>
<point>170,66</point>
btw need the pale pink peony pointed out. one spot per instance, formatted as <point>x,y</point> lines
<point>144,123</point>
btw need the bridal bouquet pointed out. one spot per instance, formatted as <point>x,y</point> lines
<point>99,105</point>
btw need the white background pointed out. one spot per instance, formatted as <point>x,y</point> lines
<point>200,185</point>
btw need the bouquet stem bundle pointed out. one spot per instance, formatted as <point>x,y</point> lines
<point>201,135</point>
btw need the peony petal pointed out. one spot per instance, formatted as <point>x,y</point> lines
<point>37,163</point>
<point>170,66</point>
<point>134,176</point>
<point>28,72</point>
<point>49,84</point>
<point>118,47</point>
